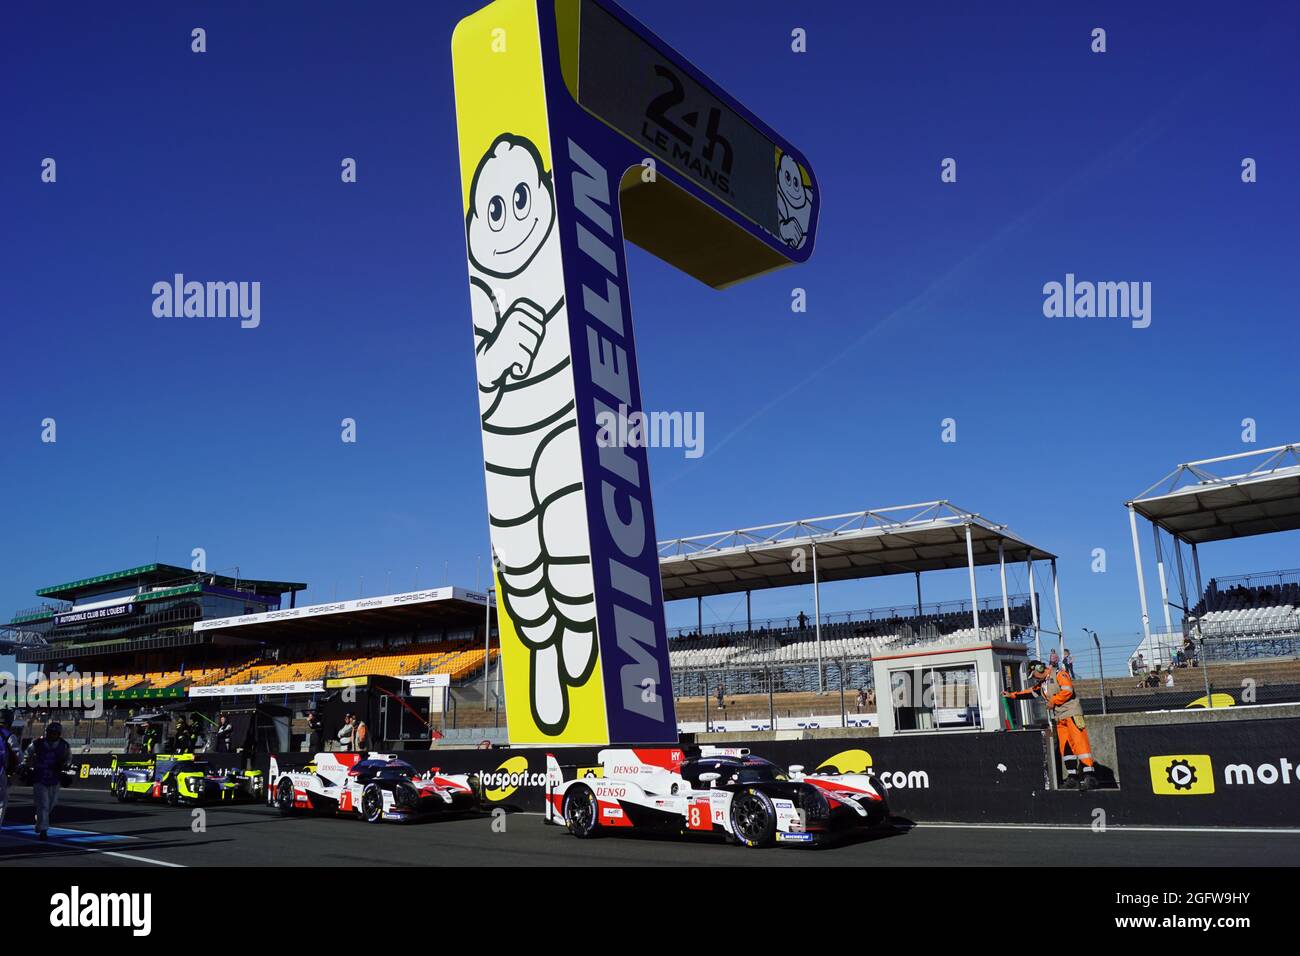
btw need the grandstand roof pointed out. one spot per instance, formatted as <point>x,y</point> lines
<point>930,536</point>
<point>1214,507</point>
<point>351,618</point>
<point>163,574</point>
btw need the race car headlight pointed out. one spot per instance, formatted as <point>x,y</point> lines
<point>813,803</point>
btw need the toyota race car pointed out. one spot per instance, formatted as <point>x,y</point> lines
<point>376,787</point>
<point>179,778</point>
<point>719,790</point>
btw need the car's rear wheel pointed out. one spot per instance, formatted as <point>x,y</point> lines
<point>119,790</point>
<point>753,818</point>
<point>171,793</point>
<point>580,813</point>
<point>284,796</point>
<point>372,804</point>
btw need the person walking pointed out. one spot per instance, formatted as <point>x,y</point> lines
<point>1056,688</point>
<point>9,747</point>
<point>49,758</point>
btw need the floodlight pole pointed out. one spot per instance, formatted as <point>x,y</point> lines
<point>699,615</point>
<point>1033,607</point>
<point>1137,563</point>
<point>918,595</point>
<point>1006,606</point>
<point>749,614</point>
<point>970,568</point>
<point>1160,568</point>
<point>817,623</point>
<point>1060,623</point>
<point>1196,566</point>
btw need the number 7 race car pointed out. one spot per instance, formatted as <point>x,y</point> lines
<point>179,778</point>
<point>718,790</point>
<point>376,787</point>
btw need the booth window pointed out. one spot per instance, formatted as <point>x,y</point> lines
<point>935,698</point>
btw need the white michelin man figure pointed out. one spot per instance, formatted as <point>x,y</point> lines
<point>530,437</point>
<point>794,202</point>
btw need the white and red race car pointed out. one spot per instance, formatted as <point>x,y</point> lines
<point>376,787</point>
<point>713,790</point>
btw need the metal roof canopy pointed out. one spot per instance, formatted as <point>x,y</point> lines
<point>903,539</point>
<point>1263,500</point>
<point>156,574</point>
<point>354,618</point>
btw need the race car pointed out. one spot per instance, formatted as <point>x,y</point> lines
<point>711,790</point>
<point>376,787</point>
<point>181,779</point>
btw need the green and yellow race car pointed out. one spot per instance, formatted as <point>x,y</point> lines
<point>181,779</point>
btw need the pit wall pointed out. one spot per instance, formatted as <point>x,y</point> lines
<point>1211,770</point>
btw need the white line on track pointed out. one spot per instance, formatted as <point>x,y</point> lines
<point>141,859</point>
<point>1084,826</point>
<point>91,849</point>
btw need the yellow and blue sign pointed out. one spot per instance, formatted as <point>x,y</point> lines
<point>578,129</point>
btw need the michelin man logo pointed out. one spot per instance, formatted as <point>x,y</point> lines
<point>530,431</point>
<point>794,201</point>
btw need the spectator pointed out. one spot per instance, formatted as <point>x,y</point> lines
<point>48,758</point>
<point>315,738</point>
<point>871,698</point>
<point>1169,678</point>
<point>345,733</point>
<point>361,736</point>
<point>722,704</point>
<point>225,734</point>
<point>1054,660</point>
<point>862,699</point>
<point>803,621</point>
<point>1068,663</point>
<point>9,745</point>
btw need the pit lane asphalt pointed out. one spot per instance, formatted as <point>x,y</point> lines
<point>95,830</point>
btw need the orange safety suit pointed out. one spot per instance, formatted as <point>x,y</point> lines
<point>1066,712</point>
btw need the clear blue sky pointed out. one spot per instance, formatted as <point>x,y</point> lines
<point>924,298</point>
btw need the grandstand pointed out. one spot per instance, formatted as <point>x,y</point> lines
<point>1246,616</point>
<point>905,539</point>
<point>159,633</point>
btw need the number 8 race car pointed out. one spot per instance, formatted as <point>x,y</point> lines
<point>718,790</point>
<point>377,788</point>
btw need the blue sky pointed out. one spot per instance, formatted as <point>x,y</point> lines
<point>924,298</point>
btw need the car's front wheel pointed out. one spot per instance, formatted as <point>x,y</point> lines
<point>284,796</point>
<point>580,813</point>
<point>753,818</point>
<point>372,804</point>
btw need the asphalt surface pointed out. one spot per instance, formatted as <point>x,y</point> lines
<point>92,829</point>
